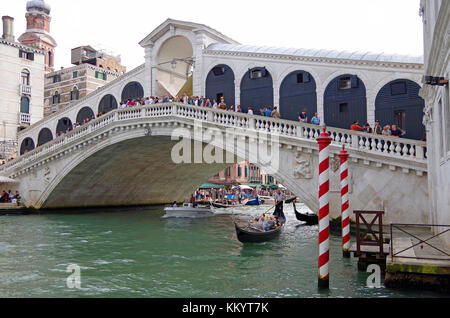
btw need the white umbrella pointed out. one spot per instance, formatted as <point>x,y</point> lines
<point>7,180</point>
<point>281,187</point>
<point>245,187</point>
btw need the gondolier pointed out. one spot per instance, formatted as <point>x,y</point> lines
<point>279,197</point>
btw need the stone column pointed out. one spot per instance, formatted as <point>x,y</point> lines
<point>197,83</point>
<point>148,73</point>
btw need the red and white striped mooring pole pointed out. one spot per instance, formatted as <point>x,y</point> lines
<point>343,155</point>
<point>324,141</point>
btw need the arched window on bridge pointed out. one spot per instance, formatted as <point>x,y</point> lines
<point>132,90</point>
<point>64,125</point>
<point>27,145</point>
<point>84,115</point>
<point>107,104</point>
<point>45,135</point>
<point>345,102</point>
<point>256,89</point>
<point>220,82</point>
<point>298,92</point>
<point>399,103</point>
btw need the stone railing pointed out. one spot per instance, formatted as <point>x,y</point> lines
<point>79,102</point>
<point>391,147</point>
<point>24,118</point>
<point>24,89</point>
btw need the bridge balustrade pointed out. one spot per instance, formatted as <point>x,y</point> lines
<point>369,143</point>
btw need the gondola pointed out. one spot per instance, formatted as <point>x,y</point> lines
<point>309,218</point>
<point>254,236</point>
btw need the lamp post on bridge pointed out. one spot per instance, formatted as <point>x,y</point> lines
<point>324,141</point>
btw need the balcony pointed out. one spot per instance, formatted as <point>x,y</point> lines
<point>24,118</point>
<point>24,89</point>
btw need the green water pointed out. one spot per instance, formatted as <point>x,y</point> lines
<point>136,253</point>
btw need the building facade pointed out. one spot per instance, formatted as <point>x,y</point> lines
<point>70,84</point>
<point>436,21</point>
<point>21,88</point>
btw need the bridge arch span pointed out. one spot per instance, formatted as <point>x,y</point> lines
<point>102,175</point>
<point>26,145</point>
<point>132,90</point>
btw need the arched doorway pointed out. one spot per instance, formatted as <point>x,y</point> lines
<point>64,125</point>
<point>220,82</point>
<point>399,103</point>
<point>107,104</point>
<point>27,145</point>
<point>256,89</point>
<point>84,115</point>
<point>45,135</point>
<point>298,92</point>
<point>345,102</point>
<point>132,90</point>
<point>175,64</point>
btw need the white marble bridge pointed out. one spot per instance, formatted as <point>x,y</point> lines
<point>124,158</point>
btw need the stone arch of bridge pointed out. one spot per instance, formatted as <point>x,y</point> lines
<point>101,174</point>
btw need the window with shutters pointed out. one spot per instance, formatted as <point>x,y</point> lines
<point>75,74</point>
<point>56,98</point>
<point>100,75</point>
<point>24,105</point>
<point>74,94</point>
<point>56,78</point>
<point>25,78</point>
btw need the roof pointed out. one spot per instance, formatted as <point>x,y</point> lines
<point>347,55</point>
<point>165,26</point>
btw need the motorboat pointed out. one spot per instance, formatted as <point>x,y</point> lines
<point>253,201</point>
<point>267,199</point>
<point>187,211</point>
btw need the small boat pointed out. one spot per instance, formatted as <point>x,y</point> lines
<point>309,218</point>
<point>267,199</point>
<point>253,201</point>
<point>187,211</point>
<point>251,235</point>
<point>225,206</point>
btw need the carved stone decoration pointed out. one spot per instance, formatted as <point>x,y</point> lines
<point>148,131</point>
<point>47,175</point>
<point>303,168</point>
<point>334,164</point>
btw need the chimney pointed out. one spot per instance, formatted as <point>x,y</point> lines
<point>8,28</point>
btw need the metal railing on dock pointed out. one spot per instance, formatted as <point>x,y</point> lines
<point>401,227</point>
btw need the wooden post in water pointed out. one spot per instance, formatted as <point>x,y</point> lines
<point>343,155</point>
<point>324,141</point>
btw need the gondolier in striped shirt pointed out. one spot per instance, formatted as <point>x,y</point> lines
<point>279,197</point>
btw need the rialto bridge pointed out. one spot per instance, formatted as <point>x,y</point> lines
<point>125,156</point>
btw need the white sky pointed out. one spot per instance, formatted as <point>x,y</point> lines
<point>389,26</point>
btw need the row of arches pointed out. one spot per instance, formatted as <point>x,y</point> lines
<point>108,103</point>
<point>344,98</point>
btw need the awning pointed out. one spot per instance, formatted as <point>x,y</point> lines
<point>252,184</point>
<point>271,186</point>
<point>211,186</point>
<point>7,180</point>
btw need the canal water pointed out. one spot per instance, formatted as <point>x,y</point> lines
<point>137,253</point>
